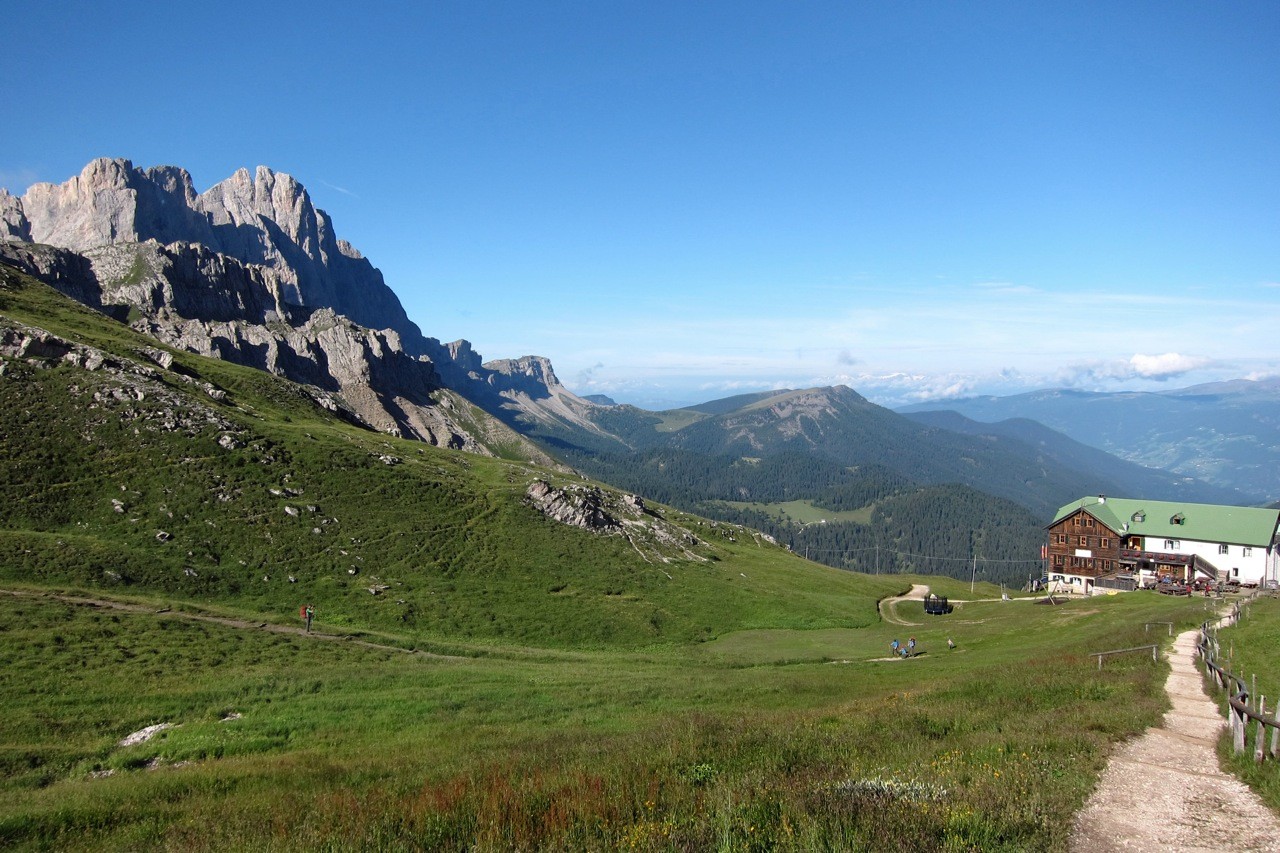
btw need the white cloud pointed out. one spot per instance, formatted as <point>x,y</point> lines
<point>1167,366</point>
<point>1158,368</point>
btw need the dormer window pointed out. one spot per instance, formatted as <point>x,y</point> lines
<point>1179,518</point>
<point>1139,516</point>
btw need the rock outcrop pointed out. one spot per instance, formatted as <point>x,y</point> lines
<point>121,384</point>
<point>251,271</point>
<point>199,301</point>
<point>605,512</point>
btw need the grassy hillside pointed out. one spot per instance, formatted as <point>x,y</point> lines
<point>138,479</point>
<point>764,739</point>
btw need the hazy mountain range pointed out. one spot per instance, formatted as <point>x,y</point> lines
<point>1224,433</point>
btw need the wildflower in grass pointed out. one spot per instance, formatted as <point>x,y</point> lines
<point>891,788</point>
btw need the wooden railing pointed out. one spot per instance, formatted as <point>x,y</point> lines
<point>1242,707</point>
<point>1154,649</point>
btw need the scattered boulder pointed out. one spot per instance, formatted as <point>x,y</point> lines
<point>144,735</point>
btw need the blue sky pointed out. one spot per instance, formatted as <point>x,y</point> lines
<point>680,201</point>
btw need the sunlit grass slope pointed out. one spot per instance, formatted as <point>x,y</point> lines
<point>295,742</point>
<point>263,501</point>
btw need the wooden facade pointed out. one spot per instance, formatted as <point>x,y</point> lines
<point>1115,542</point>
<point>1082,545</point>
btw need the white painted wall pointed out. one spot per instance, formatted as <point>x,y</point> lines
<point>1260,565</point>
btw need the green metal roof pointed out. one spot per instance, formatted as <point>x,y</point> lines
<point>1235,525</point>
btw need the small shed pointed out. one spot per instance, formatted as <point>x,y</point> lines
<point>936,605</point>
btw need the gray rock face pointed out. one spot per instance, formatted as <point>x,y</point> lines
<point>66,271</point>
<point>109,202</point>
<point>199,301</point>
<point>266,219</point>
<point>531,375</point>
<point>13,222</point>
<point>251,271</point>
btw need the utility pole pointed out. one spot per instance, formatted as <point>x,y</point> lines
<point>974,574</point>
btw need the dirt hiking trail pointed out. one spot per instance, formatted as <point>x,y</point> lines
<point>228,621</point>
<point>1164,790</point>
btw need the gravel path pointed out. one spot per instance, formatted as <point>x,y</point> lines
<point>889,606</point>
<point>1165,792</point>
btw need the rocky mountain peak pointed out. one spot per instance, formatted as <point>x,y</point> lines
<point>262,217</point>
<point>265,198</point>
<point>251,252</point>
<point>466,358</point>
<point>13,221</point>
<point>522,374</point>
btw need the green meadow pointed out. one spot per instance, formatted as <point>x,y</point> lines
<point>782,739</point>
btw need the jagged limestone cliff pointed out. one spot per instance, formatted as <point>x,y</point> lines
<point>251,271</point>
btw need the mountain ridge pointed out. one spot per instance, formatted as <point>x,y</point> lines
<point>1226,434</point>
<point>256,259</point>
<point>840,425</point>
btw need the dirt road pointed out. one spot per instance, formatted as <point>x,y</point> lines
<point>889,606</point>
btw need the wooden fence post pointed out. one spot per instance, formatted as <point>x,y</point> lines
<point>1261,738</point>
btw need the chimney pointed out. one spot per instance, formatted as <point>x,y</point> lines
<point>1102,499</point>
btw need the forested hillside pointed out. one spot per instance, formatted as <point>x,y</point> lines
<point>902,527</point>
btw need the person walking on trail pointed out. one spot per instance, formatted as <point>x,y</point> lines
<point>894,645</point>
<point>911,646</point>
<point>951,644</point>
<point>308,613</point>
